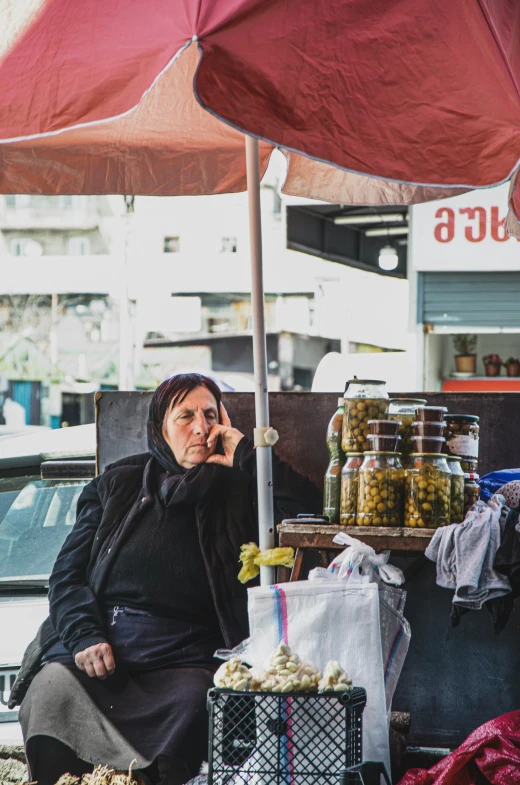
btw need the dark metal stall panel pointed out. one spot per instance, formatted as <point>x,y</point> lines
<point>302,419</point>
<point>453,679</point>
<point>470,299</point>
<point>121,419</point>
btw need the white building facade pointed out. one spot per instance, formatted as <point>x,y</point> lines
<point>102,295</point>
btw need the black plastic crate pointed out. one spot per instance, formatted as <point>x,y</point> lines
<point>294,738</point>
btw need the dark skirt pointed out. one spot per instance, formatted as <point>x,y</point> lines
<point>153,706</point>
<point>141,715</point>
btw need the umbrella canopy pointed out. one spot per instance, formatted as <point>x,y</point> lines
<point>372,102</point>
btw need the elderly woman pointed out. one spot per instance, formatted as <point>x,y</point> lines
<point>144,591</point>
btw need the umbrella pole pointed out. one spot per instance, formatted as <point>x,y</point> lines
<point>264,465</point>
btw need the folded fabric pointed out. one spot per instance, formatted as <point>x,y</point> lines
<point>491,754</point>
<point>500,609</point>
<point>511,493</point>
<point>465,553</point>
<point>494,481</point>
<point>507,560</point>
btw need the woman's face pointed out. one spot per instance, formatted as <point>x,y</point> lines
<point>187,425</point>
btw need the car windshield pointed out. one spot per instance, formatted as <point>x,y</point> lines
<point>35,518</point>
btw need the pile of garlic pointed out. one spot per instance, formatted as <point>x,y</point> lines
<point>102,775</point>
<point>234,675</point>
<point>334,679</point>
<point>286,673</point>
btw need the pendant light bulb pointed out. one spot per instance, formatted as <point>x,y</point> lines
<point>388,259</point>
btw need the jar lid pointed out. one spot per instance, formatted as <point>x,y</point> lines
<point>382,452</point>
<point>434,408</point>
<point>454,458</point>
<point>353,454</point>
<point>391,422</point>
<point>471,476</point>
<point>429,454</point>
<point>341,401</point>
<point>419,401</point>
<point>462,417</point>
<point>355,380</point>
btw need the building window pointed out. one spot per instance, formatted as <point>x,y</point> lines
<point>17,247</point>
<point>18,200</point>
<point>228,245</point>
<point>79,246</point>
<point>23,247</point>
<point>172,244</point>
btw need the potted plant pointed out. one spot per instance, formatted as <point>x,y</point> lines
<point>465,358</point>
<point>492,364</point>
<point>512,365</point>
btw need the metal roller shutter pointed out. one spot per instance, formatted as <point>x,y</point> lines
<point>469,299</point>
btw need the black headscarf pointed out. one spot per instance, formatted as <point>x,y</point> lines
<point>178,484</point>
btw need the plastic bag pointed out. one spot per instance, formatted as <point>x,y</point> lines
<point>358,563</point>
<point>253,558</point>
<point>395,636</point>
<point>493,482</point>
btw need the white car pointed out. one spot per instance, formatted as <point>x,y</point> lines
<point>41,478</point>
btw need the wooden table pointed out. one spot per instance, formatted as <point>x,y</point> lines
<point>318,536</point>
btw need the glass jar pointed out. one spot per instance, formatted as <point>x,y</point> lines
<point>427,491</point>
<point>457,490</point>
<point>462,435</point>
<point>430,413</point>
<point>469,465</point>
<point>365,400</point>
<point>332,481</point>
<point>403,409</point>
<point>381,487</point>
<point>349,488</point>
<point>471,491</point>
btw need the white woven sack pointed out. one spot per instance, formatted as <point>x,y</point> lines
<point>325,621</point>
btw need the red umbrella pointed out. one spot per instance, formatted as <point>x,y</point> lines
<point>372,102</point>
<point>415,93</point>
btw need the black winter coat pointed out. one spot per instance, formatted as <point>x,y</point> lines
<point>109,508</point>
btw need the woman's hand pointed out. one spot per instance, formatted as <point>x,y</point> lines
<point>97,661</point>
<point>230,438</point>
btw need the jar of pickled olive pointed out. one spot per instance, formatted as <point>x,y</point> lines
<point>457,490</point>
<point>471,491</point>
<point>427,491</point>
<point>403,409</point>
<point>381,486</point>
<point>332,481</point>
<point>349,488</point>
<point>469,465</point>
<point>462,435</point>
<point>365,400</point>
